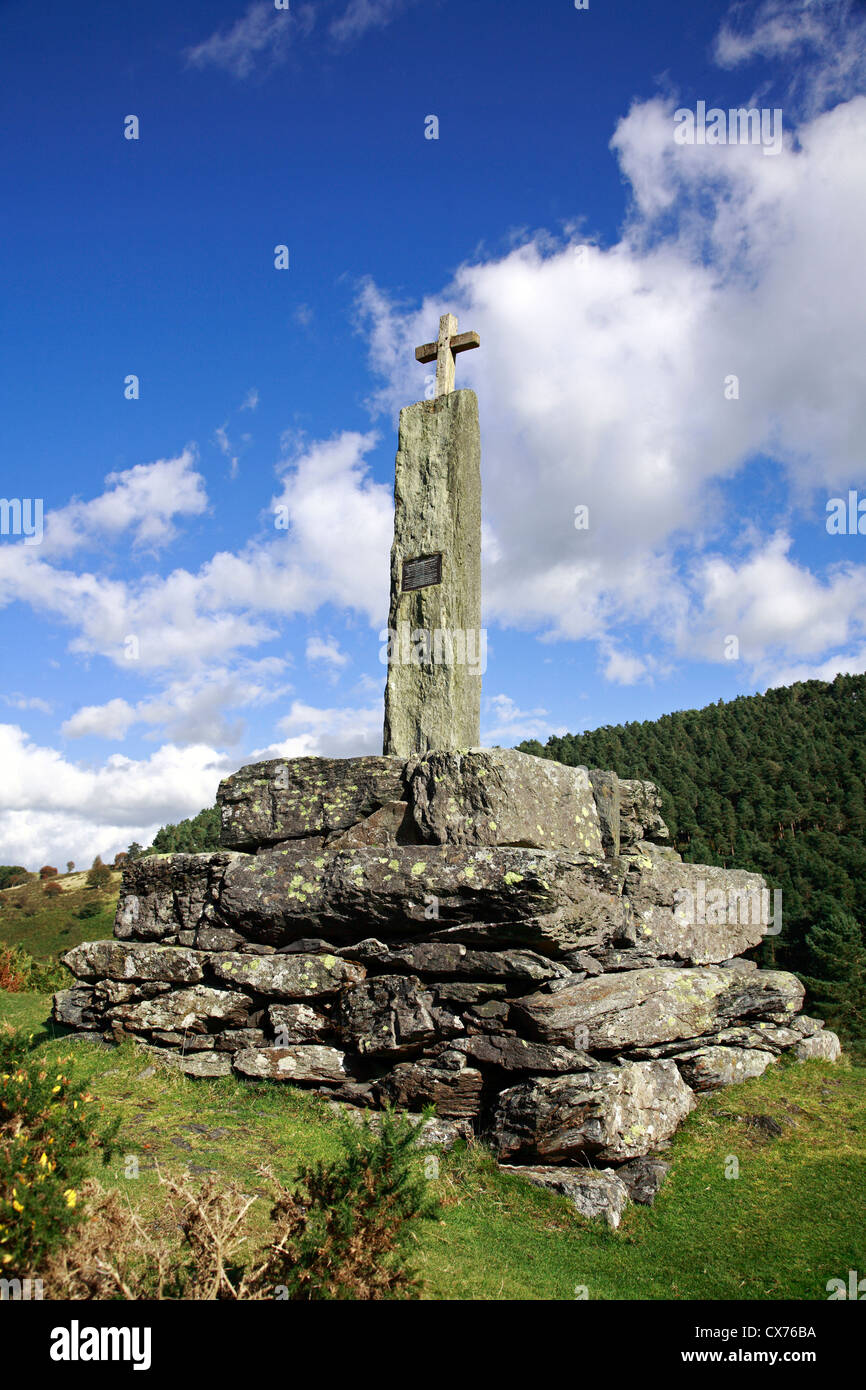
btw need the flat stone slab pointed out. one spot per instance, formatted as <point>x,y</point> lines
<point>283,893</point>
<point>594,1193</point>
<point>638,1008</point>
<point>301,798</point>
<point>304,1063</point>
<point>185,1008</point>
<point>500,796</point>
<point>288,977</point>
<point>117,960</point>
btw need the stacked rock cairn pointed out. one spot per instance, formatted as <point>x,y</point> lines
<point>507,939</point>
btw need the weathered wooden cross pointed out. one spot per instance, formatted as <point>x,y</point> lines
<point>444,351</point>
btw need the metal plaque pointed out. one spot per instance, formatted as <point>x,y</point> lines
<point>421,573</point>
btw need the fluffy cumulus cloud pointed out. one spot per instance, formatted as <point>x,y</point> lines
<point>55,810</point>
<point>638,380</point>
<point>333,733</point>
<point>328,542</point>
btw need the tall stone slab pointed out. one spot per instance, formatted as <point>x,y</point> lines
<point>433,692</point>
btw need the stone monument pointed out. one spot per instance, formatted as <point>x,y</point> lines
<point>508,939</point>
<point>433,692</point>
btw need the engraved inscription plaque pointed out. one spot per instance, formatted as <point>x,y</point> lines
<point>421,573</point>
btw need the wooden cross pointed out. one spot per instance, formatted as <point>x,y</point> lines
<point>444,351</point>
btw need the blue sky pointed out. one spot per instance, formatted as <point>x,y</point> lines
<point>164,631</point>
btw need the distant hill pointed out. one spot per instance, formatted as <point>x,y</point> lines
<point>775,783</point>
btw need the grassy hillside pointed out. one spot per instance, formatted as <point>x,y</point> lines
<point>45,925</point>
<point>794,1218</point>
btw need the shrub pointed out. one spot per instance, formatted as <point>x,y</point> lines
<point>47,871</point>
<point>47,1126</point>
<point>12,975</point>
<point>52,889</point>
<point>88,910</point>
<point>12,874</point>
<point>99,875</point>
<point>345,1235</point>
<point>19,972</point>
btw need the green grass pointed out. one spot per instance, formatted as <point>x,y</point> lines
<point>46,926</point>
<point>794,1218</point>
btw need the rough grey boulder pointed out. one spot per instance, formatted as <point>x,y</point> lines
<point>593,1192</point>
<point>640,1007</point>
<point>298,1023</point>
<point>518,1055</point>
<point>452,959</point>
<point>203,1064</point>
<point>301,798</point>
<point>612,1113</point>
<point>500,796</point>
<point>640,814</point>
<point>824,1045</point>
<point>166,894</point>
<point>388,1015</point>
<point>644,1178</point>
<point>445,1081</point>
<point>75,1007</point>
<point>708,1068</point>
<point>696,913</point>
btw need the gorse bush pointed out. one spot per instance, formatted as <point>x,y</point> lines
<point>342,1235</point>
<point>13,977</point>
<point>48,1125</point>
<point>19,972</point>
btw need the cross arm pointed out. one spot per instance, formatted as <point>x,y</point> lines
<point>462,342</point>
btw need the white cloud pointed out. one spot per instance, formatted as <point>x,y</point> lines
<point>362,15</point>
<point>823,40</point>
<point>504,723</point>
<point>778,609</point>
<point>335,550</point>
<point>189,711</point>
<point>622,668</point>
<point>331,733</point>
<point>251,400</point>
<point>24,702</point>
<point>327,652</point>
<point>55,810</point>
<point>142,501</point>
<point>262,36</point>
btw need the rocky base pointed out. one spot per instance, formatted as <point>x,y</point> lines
<point>504,938</point>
